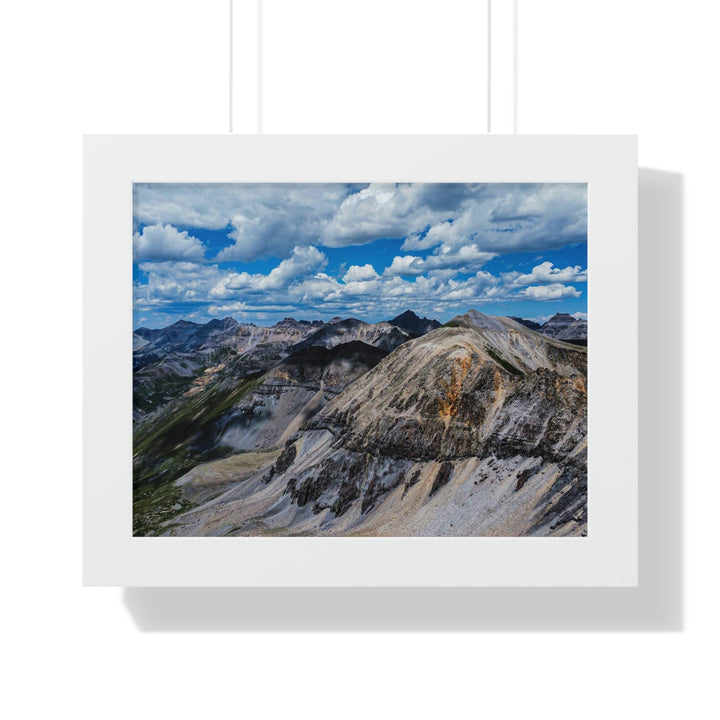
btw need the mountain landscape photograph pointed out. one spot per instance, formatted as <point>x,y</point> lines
<point>401,359</point>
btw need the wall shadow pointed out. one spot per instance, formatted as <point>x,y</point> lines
<point>657,604</point>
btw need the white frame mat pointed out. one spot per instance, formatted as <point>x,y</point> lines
<point>606,557</point>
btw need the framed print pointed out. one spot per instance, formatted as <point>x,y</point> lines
<point>360,360</point>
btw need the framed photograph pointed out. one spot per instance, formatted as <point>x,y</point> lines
<point>360,360</point>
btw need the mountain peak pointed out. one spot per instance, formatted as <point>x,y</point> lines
<point>413,324</point>
<point>184,324</point>
<point>565,327</point>
<point>225,324</point>
<point>407,315</point>
<point>288,322</point>
<point>481,321</point>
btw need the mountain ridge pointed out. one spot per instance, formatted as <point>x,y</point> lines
<point>480,413</point>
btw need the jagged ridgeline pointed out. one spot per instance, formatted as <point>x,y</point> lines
<point>404,427</point>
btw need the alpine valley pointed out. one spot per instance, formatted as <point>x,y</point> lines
<point>404,427</point>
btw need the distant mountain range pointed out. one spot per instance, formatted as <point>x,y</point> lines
<point>168,361</point>
<point>560,326</point>
<point>402,427</point>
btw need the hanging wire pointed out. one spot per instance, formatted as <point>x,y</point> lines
<point>515,67</point>
<point>260,67</point>
<point>231,66</point>
<point>489,65</point>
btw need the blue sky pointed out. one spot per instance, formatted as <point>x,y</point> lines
<point>263,252</point>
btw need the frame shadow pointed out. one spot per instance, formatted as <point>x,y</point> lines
<point>655,605</point>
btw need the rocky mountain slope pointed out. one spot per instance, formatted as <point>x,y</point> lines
<point>293,391</point>
<point>170,361</point>
<point>223,411</point>
<point>383,335</point>
<point>250,402</point>
<point>475,428</point>
<point>562,326</point>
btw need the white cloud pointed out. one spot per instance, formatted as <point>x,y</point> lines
<point>549,292</point>
<point>405,265</point>
<point>298,283</point>
<point>242,308</point>
<point>213,206</point>
<point>463,227</point>
<point>277,220</point>
<point>360,273</point>
<point>379,210</point>
<point>546,273</point>
<point>175,281</point>
<point>298,286</point>
<point>467,258</point>
<point>303,261</point>
<point>272,219</point>
<point>164,242</point>
<point>417,241</point>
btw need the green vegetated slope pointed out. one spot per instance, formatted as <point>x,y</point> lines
<point>235,402</point>
<point>173,441</point>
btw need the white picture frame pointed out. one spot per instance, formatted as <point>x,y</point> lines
<point>608,556</point>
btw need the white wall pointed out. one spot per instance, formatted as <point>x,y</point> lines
<point>78,67</point>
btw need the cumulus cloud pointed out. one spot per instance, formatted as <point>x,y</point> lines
<point>175,281</point>
<point>298,286</point>
<point>164,242</point>
<point>511,218</point>
<point>406,265</point>
<point>466,258</point>
<point>377,211</point>
<point>272,219</point>
<point>360,273</point>
<point>303,260</point>
<point>417,241</point>
<point>275,219</point>
<point>213,206</point>
<point>547,273</point>
<point>448,233</point>
<point>555,291</point>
